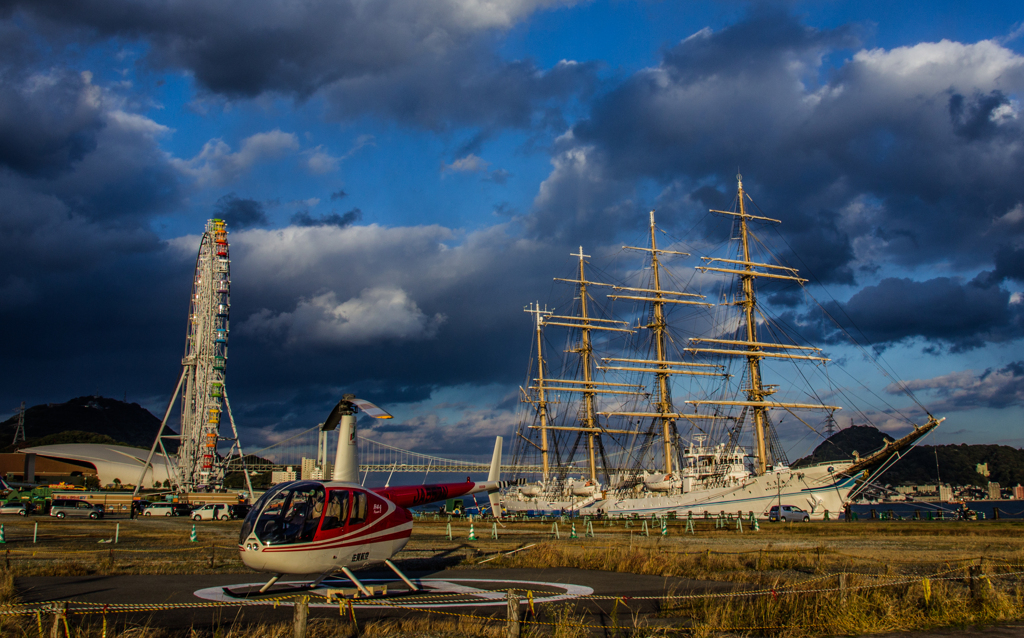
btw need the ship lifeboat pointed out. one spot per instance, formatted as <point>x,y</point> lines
<point>662,482</point>
<point>533,489</point>
<point>584,488</point>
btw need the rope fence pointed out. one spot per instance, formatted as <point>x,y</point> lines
<point>61,610</point>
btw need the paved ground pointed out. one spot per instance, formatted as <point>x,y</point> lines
<point>456,590</point>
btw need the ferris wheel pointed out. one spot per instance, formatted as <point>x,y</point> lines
<point>204,399</point>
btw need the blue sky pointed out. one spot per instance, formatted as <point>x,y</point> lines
<point>401,179</point>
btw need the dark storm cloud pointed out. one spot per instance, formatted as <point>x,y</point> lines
<point>340,194</point>
<point>972,118</point>
<point>79,194</point>
<point>84,281</point>
<point>420,62</point>
<point>303,218</point>
<point>1009,264</point>
<point>966,390</point>
<point>394,312</point>
<point>905,156</point>
<point>473,87</point>
<point>47,122</point>
<point>241,213</point>
<point>962,315</point>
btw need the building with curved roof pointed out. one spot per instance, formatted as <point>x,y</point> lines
<point>111,461</point>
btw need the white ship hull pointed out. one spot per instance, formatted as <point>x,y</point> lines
<point>548,505</point>
<point>813,489</point>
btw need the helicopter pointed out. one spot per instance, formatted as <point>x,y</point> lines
<point>314,527</point>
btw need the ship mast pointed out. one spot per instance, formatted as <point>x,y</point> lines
<point>757,391</point>
<point>662,368</point>
<point>664,402</point>
<point>542,403</point>
<point>751,348</point>
<point>586,352</point>
<point>585,323</point>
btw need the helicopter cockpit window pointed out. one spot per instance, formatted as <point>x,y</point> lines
<point>337,510</point>
<point>254,512</point>
<point>291,515</point>
<point>358,508</point>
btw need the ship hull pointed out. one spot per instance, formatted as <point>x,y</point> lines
<point>815,490</point>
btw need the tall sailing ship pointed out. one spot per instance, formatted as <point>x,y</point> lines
<point>615,434</point>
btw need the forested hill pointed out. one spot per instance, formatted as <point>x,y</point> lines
<point>957,464</point>
<point>91,419</point>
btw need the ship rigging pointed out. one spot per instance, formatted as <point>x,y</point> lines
<point>628,377</point>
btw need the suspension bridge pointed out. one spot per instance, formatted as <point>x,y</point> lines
<point>374,456</point>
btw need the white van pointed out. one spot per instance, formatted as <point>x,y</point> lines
<point>212,512</point>
<point>166,509</point>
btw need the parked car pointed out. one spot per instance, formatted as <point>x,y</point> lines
<point>62,508</point>
<point>22,508</point>
<point>212,512</point>
<point>167,509</point>
<point>788,513</point>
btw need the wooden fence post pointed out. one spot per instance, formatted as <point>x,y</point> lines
<point>978,581</point>
<point>512,626</point>
<point>60,610</point>
<point>300,616</point>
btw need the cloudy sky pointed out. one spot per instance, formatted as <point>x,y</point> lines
<point>401,177</point>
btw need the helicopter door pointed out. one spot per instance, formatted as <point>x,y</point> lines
<point>346,509</point>
<point>359,507</point>
<point>336,513</point>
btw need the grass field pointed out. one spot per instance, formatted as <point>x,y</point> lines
<point>895,575</point>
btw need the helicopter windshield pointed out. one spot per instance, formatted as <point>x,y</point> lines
<point>289,513</point>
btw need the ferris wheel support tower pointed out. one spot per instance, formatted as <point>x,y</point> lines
<point>204,398</point>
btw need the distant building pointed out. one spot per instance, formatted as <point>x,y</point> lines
<point>993,491</point>
<point>108,463</point>
<point>282,476</point>
<point>311,471</point>
<point>982,468</point>
<point>945,493</point>
<point>308,467</point>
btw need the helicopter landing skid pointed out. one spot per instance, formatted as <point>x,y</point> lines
<point>261,591</point>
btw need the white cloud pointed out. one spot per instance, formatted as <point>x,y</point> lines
<point>943,63</point>
<point>489,14</point>
<point>377,314</point>
<point>217,165</point>
<point>468,164</point>
<point>321,162</point>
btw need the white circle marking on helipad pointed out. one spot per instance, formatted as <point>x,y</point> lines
<point>432,586</point>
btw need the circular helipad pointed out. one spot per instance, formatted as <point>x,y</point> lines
<point>435,592</point>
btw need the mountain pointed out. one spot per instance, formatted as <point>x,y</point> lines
<point>862,439</point>
<point>90,419</point>
<point>957,464</point>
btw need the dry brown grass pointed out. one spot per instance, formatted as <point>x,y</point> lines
<point>424,627</point>
<point>778,556</point>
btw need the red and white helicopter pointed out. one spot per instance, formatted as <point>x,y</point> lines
<point>320,527</point>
